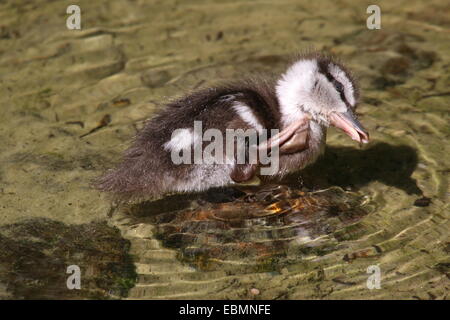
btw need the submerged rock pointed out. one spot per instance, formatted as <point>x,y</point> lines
<point>35,254</point>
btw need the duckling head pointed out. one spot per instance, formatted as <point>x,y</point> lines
<point>323,90</point>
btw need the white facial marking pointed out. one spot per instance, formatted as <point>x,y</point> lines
<point>340,76</point>
<point>293,89</point>
<point>303,89</point>
<point>181,139</point>
<point>327,99</point>
<point>246,114</point>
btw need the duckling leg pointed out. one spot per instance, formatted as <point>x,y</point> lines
<point>245,177</point>
<point>243,172</point>
<point>292,139</point>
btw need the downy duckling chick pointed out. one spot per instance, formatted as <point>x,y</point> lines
<point>314,93</point>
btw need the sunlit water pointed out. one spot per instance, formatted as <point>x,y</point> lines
<point>72,100</point>
<point>264,231</point>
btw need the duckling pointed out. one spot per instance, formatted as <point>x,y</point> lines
<point>312,94</point>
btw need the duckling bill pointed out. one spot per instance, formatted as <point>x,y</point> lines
<point>314,93</point>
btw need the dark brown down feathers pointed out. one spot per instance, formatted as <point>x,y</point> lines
<point>144,164</point>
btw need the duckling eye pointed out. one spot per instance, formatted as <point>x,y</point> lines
<point>339,87</point>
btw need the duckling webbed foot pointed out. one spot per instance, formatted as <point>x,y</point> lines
<point>298,142</point>
<point>292,139</point>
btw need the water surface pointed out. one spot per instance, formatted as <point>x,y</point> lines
<point>72,100</point>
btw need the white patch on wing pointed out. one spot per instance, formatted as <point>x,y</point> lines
<point>246,114</point>
<point>340,76</point>
<point>293,88</point>
<point>181,139</point>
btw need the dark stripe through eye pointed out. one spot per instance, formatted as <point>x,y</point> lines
<point>339,87</point>
<point>324,69</point>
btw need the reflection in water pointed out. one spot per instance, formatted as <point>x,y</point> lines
<point>270,227</point>
<point>261,230</point>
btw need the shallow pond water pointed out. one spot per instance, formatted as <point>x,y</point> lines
<point>71,101</point>
<point>272,224</point>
